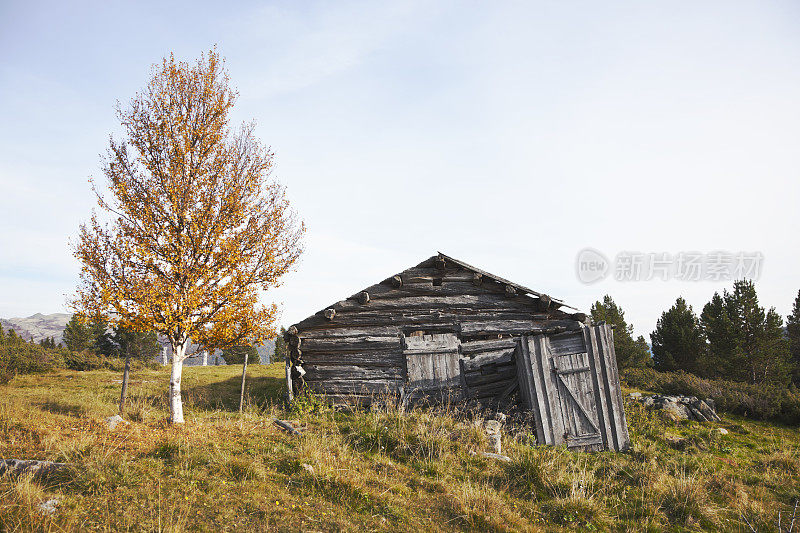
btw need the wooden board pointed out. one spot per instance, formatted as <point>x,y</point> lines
<point>432,363</point>
<point>570,381</point>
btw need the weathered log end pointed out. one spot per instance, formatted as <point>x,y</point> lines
<point>544,302</point>
<point>579,317</point>
<point>440,263</point>
<point>363,297</point>
<point>292,330</point>
<point>329,313</point>
<point>397,281</point>
<point>477,279</point>
<point>511,291</point>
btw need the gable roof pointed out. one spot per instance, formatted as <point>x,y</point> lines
<point>520,288</point>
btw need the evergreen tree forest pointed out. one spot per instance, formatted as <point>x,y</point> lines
<point>734,338</point>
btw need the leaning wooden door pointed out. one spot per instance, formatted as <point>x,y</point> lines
<point>432,367</point>
<point>571,383</point>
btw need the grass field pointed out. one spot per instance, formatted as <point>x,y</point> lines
<point>376,470</point>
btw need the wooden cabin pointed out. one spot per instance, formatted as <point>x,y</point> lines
<point>445,331</point>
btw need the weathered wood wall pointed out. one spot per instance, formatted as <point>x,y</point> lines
<point>354,349</point>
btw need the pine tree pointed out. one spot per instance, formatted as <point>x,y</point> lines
<point>793,332</point>
<point>723,354</point>
<point>280,347</point>
<point>47,342</point>
<point>630,352</point>
<point>235,354</point>
<point>748,320</point>
<point>142,345</point>
<point>77,336</point>
<point>746,342</point>
<point>677,341</point>
<point>102,342</point>
<point>774,358</point>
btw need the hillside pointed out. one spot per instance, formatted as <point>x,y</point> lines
<point>378,470</point>
<point>38,326</point>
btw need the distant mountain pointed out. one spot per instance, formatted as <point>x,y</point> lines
<point>38,326</point>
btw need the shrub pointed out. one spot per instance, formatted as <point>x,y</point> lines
<point>20,357</point>
<point>774,402</point>
<point>23,358</point>
<point>84,360</point>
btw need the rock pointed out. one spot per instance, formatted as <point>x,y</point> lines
<point>496,442</point>
<point>504,458</point>
<point>678,443</point>
<point>40,469</point>
<point>286,425</point>
<point>675,411</point>
<point>707,411</point>
<point>113,421</point>
<point>493,432</point>
<point>696,414</point>
<point>719,431</point>
<point>710,402</point>
<point>680,407</point>
<point>635,395</point>
<point>48,507</point>
<point>308,468</point>
<point>492,426</point>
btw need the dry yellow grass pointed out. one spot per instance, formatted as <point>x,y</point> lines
<point>372,470</point>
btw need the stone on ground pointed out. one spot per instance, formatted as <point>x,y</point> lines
<point>113,421</point>
<point>48,507</point>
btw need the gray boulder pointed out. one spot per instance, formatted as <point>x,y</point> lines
<point>676,411</point>
<point>113,421</point>
<point>48,507</point>
<point>39,469</point>
<point>680,407</point>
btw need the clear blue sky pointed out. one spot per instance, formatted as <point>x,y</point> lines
<point>509,135</point>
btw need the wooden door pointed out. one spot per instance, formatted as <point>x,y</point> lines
<point>571,383</point>
<point>432,365</point>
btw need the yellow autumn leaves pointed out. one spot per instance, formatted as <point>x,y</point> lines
<point>194,226</point>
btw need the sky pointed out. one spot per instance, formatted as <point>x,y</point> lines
<point>510,135</point>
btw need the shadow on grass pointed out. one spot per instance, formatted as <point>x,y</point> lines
<point>224,395</point>
<point>61,408</point>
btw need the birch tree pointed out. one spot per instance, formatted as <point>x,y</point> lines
<point>191,226</point>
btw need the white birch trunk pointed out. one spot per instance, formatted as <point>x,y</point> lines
<point>164,355</point>
<point>175,402</point>
<point>205,357</point>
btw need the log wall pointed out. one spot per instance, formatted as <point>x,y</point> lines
<point>354,349</point>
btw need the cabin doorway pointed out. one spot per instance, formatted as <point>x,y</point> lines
<point>432,369</point>
<point>570,382</point>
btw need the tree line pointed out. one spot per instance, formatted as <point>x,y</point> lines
<point>734,338</point>
<point>94,334</point>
